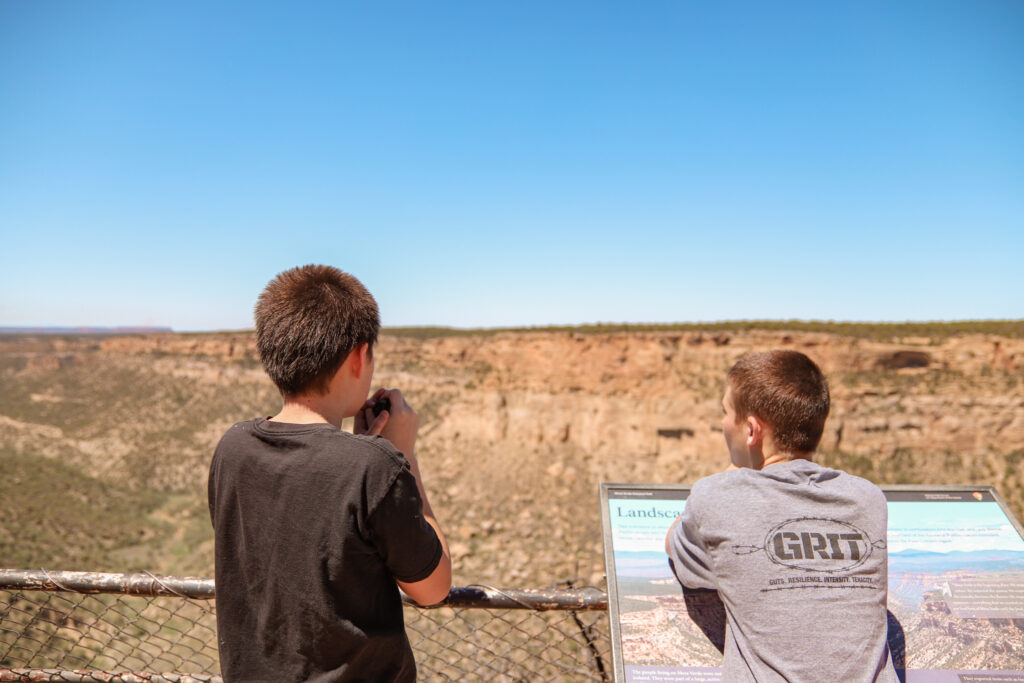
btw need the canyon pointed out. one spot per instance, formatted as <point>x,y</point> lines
<point>518,427</point>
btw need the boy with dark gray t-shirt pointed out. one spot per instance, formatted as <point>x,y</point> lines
<point>317,528</point>
<point>795,550</point>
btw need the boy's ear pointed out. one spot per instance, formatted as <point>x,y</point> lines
<point>360,360</point>
<point>756,430</point>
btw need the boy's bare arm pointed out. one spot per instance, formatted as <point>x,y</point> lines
<point>399,425</point>
<point>435,587</point>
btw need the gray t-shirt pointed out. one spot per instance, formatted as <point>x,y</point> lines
<point>797,553</point>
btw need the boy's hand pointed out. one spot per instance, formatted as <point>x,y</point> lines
<point>368,423</point>
<point>398,425</point>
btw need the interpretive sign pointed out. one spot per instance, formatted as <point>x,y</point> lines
<point>956,588</point>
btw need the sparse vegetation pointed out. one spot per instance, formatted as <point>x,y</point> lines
<point>943,468</point>
<point>881,331</point>
<point>54,516</point>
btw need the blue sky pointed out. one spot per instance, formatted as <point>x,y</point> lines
<point>947,527</point>
<point>527,163</point>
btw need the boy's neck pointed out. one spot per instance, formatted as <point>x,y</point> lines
<point>345,392</point>
<point>299,413</point>
<point>313,408</point>
<point>776,458</point>
<point>773,455</point>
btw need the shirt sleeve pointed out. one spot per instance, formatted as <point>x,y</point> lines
<point>688,555</point>
<point>408,545</point>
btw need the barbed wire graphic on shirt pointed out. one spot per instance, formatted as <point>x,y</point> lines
<point>815,544</point>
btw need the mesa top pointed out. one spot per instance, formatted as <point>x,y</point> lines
<point>313,526</point>
<point>797,554</point>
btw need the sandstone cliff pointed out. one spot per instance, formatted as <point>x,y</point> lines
<point>518,428</point>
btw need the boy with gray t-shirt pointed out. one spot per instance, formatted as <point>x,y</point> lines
<point>795,550</point>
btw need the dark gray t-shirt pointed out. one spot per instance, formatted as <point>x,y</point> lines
<point>797,554</point>
<point>313,526</point>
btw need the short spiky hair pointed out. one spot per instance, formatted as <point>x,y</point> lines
<point>786,391</point>
<point>308,320</point>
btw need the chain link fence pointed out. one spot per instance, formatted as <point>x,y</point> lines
<point>82,627</point>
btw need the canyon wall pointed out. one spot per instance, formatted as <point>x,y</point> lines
<point>518,428</point>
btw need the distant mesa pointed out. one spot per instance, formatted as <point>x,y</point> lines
<point>83,330</point>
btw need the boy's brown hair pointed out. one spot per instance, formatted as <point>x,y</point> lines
<point>786,391</point>
<point>308,319</point>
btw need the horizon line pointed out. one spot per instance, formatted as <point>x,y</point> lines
<point>586,326</point>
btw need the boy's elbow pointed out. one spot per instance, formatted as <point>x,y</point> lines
<point>442,584</point>
<point>668,536</point>
<point>434,597</point>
